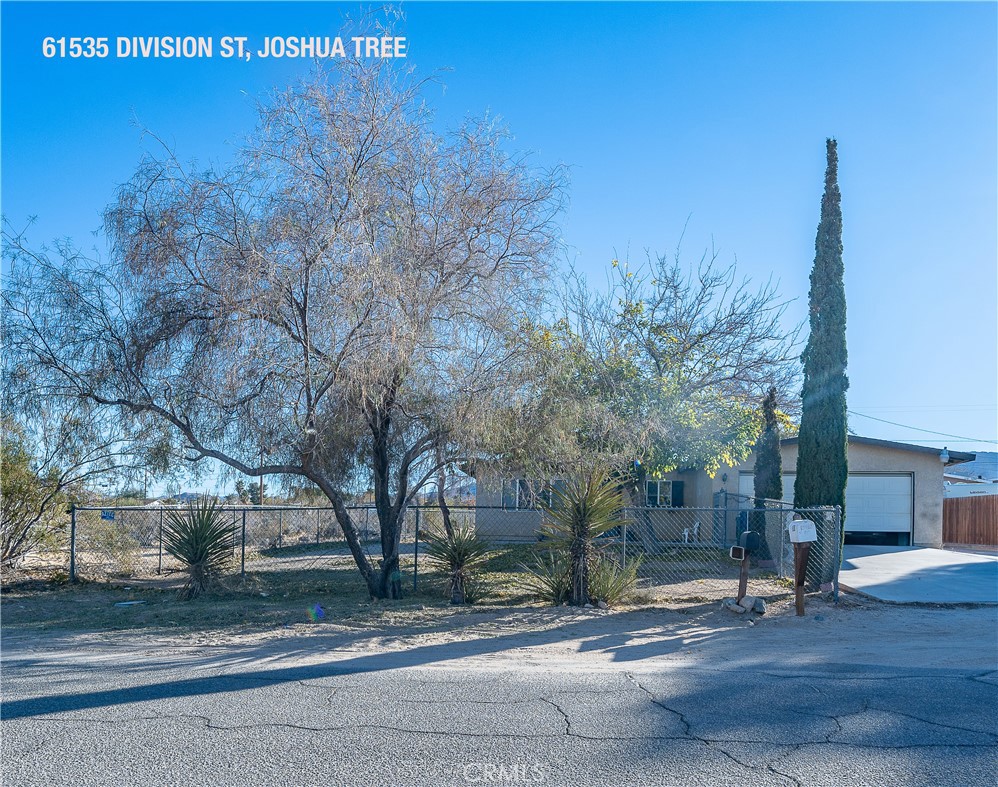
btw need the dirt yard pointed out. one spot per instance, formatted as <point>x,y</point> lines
<point>272,613</point>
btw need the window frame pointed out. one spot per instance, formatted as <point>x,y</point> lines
<point>658,493</point>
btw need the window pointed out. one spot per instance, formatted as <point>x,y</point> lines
<point>659,494</point>
<point>526,494</point>
<point>664,494</point>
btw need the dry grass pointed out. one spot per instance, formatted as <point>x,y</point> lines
<point>281,586</point>
<point>267,598</point>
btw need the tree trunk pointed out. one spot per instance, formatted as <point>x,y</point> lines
<point>579,595</point>
<point>389,578</point>
<point>442,501</point>
<point>390,513</point>
<point>371,576</point>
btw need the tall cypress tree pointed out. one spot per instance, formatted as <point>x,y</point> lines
<point>768,469</point>
<point>768,461</point>
<point>822,468</point>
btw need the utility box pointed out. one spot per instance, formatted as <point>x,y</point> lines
<point>801,531</point>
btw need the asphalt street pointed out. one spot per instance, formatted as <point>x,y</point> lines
<point>709,710</point>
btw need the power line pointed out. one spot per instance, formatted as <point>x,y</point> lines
<point>927,431</point>
<point>938,408</point>
<point>940,440</point>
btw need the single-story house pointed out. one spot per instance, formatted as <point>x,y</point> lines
<point>894,495</point>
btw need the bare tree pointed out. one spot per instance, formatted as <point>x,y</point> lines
<point>343,301</point>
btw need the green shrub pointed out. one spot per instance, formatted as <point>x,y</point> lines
<point>458,556</point>
<point>201,539</point>
<point>589,506</point>
<point>549,576</point>
<point>612,583</point>
<point>31,505</point>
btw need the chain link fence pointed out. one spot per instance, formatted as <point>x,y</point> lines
<point>681,554</point>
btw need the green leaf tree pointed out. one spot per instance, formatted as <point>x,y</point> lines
<point>768,461</point>
<point>665,368</point>
<point>253,492</point>
<point>30,502</point>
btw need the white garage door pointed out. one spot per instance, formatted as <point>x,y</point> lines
<point>875,502</point>
<point>878,503</point>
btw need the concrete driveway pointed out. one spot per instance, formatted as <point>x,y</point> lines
<point>920,574</point>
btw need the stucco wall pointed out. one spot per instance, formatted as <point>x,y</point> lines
<point>500,525</point>
<point>926,469</point>
<point>699,489</point>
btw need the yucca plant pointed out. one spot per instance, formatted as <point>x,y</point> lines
<point>458,555</point>
<point>549,576</point>
<point>589,505</point>
<point>201,539</point>
<point>610,582</point>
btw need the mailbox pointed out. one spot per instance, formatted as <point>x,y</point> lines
<point>749,541</point>
<point>737,553</point>
<point>801,531</point>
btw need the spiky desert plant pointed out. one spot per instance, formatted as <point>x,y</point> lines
<point>589,505</point>
<point>610,582</point>
<point>549,576</point>
<point>201,539</point>
<point>458,554</point>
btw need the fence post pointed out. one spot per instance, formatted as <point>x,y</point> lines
<point>242,559</point>
<point>838,552</point>
<point>280,529</point>
<point>159,568</point>
<point>72,543</point>
<point>415,555</point>
<point>783,544</point>
<point>623,546</point>
<point>318,511</point>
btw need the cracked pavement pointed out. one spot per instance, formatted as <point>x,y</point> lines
<point>645,698</point>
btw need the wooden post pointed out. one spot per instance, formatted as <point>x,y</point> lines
<point>743,578</point>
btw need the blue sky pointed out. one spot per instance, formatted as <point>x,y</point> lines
<point>665,112</point>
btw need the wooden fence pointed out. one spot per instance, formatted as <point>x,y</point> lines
<point>971,520</point>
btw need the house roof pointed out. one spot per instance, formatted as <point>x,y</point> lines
<point>983,467</point>
<point>955,457</point>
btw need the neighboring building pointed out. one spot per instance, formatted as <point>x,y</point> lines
<point>971,489</point>
<point>894,495</point>
<point>982,469</point>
